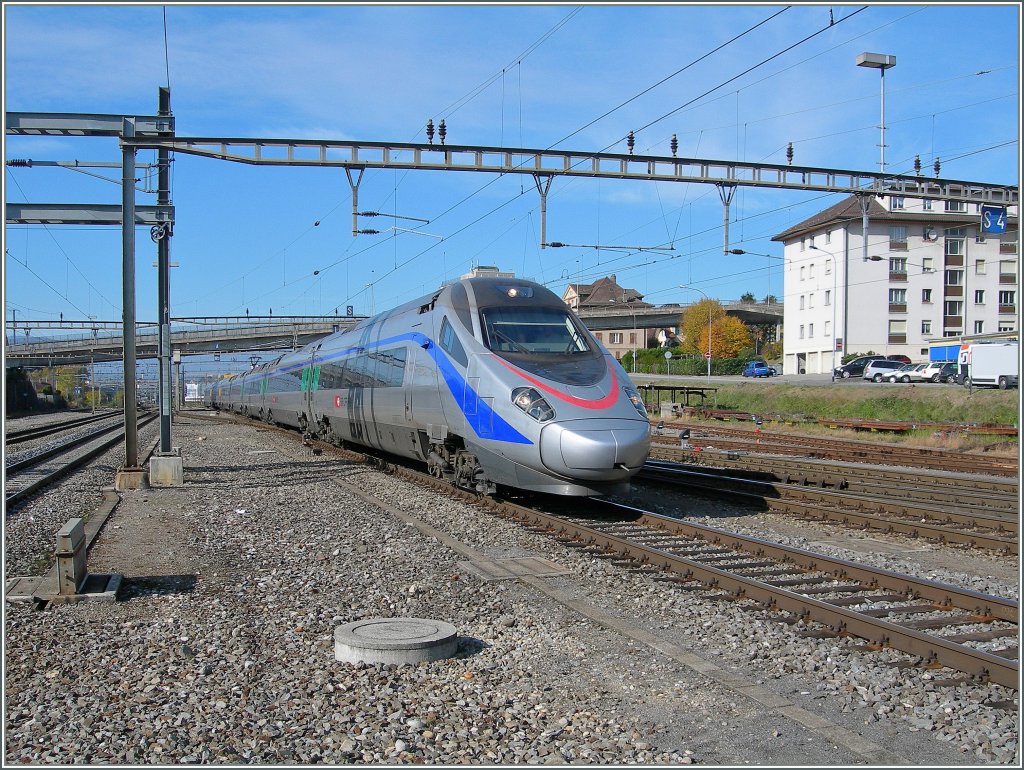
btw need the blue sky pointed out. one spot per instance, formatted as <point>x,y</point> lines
<point>500,75</point>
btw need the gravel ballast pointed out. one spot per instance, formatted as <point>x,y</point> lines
<point>221,648</point>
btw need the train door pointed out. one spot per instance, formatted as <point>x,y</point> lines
<point>308,387</point>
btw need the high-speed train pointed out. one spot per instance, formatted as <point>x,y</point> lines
<point>489,381</point>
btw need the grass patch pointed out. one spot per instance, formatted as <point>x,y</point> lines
<point>876,402</point>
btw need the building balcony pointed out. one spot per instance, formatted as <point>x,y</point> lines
<point>1007,248</point>
<point>1007,309</point>
<point>897,307</point>
<point>897,339</point>
<point>898,246</point>
<point>952,322</point>
<point>954,291</point>
<point>897,276</point>
<point>1007,278</point>
<point>954,260</point>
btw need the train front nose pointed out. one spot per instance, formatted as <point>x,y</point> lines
<point>597,450</point>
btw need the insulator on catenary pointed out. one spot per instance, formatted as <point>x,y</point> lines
<point>430,131</point>
<point>789,153</point>
<point>674,145</point>
<point>20,162</point>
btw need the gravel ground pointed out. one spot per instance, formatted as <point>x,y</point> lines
<point>221,648</point>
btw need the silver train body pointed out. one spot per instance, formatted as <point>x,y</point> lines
<point>489,381</point>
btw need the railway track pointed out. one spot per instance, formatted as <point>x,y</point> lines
<point>28,434</point>
<point>976,528</point>
<point>846,450</point>
<point>940,625</point>
<point>959,489</point>
<point>29,474</point>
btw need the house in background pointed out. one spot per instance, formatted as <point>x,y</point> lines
<point>607,293</point>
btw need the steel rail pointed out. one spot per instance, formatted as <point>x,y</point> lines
<point>19,495</point>
<point>843,475</point>
<point>949,504</point>
<point>842,620</point>
<point>27,434</point>
<point>846,508</point>
<point>848,444</point>
<point>837,450</point>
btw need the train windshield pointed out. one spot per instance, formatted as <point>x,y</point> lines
<point>529,330</point>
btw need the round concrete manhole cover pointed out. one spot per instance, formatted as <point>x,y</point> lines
<point>394,640</point>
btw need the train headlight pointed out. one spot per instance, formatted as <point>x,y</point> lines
<point>533,403</point>
<point>636,401</point>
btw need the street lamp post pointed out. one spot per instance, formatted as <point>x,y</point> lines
<point>694,288</point>
<point>835,279</point>
<point>881,62</point>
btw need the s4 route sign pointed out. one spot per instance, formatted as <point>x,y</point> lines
<point>993,219</point>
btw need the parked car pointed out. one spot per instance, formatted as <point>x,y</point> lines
<point>855,368</point>
<point>907,373</point>
<point>758,369</point>
<point>901,358</point>
<point>879,368</point>
<point>949,372</point>
<point>931,371</point>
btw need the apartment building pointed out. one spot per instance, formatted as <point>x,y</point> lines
<point>929,273</point>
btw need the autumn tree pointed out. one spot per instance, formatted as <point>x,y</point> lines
<point>729,337</point>
<point>694,323</point>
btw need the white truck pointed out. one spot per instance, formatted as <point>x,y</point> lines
<point>990,363</point>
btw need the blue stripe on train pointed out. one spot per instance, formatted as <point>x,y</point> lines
<point>484,421</point>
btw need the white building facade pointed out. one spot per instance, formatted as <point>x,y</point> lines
<point>929,274</point>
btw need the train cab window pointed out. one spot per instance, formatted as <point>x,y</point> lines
<point>450,342</point>
<point>532,330</point>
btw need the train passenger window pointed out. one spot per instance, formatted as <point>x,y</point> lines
<point>450,342</point>
<point>532,330</point>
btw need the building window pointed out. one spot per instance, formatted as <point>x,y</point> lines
<point>632,338</point>
<point>898,265</point>
<point>927,264</point>
<point>615,338</point>
<point>979,327</point>
<point>926,295</point>
<point>979,267</point>
<point>802,272</point>
<point>599,337</point>
<point>954,247</point>
<point>898,237</point>
<point>810,331</point>
<point>926,327</point>
<point>956,206</point>
<point>828,267</point>
<point>897,328</point>
<point>828,237</point>
<point>954,278</point>
<point>979,296</point>
<point>897,296</point>
<point>828,329</point>
<point>950,334</point>
<point>828,297</point>
<point>1006,326</point>
<point>803,244</point>
<point>1007,271</point>
<point>801,331</point>
<point>897,202</point>
<point>954,307</point>
<point>810,300</point>
<point>926,204</point>
<point>801,301</point>
<point>810,270</point>
<point>1007,298</point>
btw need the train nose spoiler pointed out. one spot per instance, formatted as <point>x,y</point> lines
<point>596,449</point>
